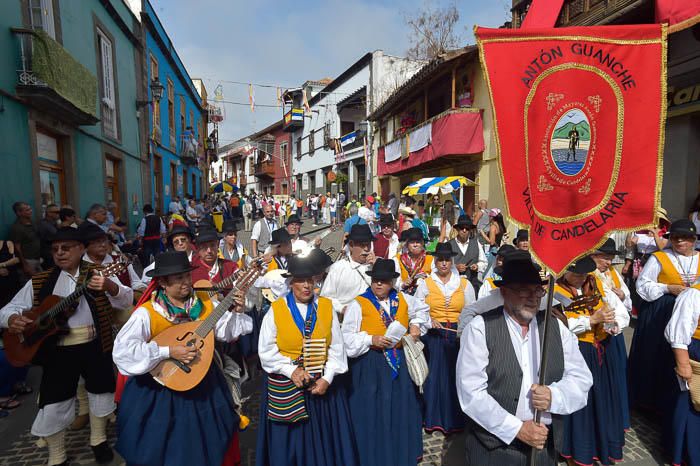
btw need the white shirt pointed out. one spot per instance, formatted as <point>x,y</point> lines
<point>568,395</point>
<point>273,362</point>
<point>345,281</point>
<point>486,289</point>
<point>191,213</point>
<point>271,226</point>
<point>649,288</point>
<point>126,292</point>
<point>608,284</point>
<point>332,204</point>
<point>174,207</point>
<point>684,320</point>
<point>135,354</point>
<point>357,343</point>
<point>447,289</point>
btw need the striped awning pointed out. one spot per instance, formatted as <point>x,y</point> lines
<point>438,184</point>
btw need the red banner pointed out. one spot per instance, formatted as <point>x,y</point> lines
<point>542,14</point>
<point>579,115</point>
<point>679,14</point>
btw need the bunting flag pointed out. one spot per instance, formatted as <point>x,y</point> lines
<point>542,14</point>
<point>219,93</point>
<point>279,97</point>
<point>307,107</point>
<point>251,97</point>
<point>679,14</point>
<point>579,115</point>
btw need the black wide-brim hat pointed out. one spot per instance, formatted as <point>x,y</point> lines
<point>280,236</point>
<point>229,226</point>
<point>170,263</point>
<point>294,218</point>
<point>682,227</point>
<point>582,266</point>
<point>66,234</point>
<point>360,234</point>
<point>521,235</point>
<point>320,260</point>
<point>206,235</point>
<point>412,234</point>
<point>383,269</point>
<point>608,247</point>
<point>88,231</point>
<point>519,268</point>
<point>464,221</point>
<point>386,219</point>
<point>443,250</point>
<point>506,249</point>
<point>179,230</point>
<point>300,267</point>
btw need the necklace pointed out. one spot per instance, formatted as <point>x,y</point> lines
<point>687,277</point>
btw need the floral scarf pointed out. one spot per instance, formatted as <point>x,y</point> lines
<point>191,311</point>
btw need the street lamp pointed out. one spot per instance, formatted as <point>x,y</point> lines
<point>156,93</point>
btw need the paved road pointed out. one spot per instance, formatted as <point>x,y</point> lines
<point>18,448</point>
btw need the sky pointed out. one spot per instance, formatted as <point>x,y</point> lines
<point>285,43</point>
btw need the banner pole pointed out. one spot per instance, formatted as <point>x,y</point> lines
<point>544,350</point>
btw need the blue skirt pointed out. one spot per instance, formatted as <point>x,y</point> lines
<point>441,409</point>
<point>158,426</point>
<point>595,432</point>
<point>386,414</point>
<point>685,425</point>
<point>248,343</point>
<point>651,361</point>
<point>325,438</point>
<point>617,359</point>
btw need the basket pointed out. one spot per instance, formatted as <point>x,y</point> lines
<point>694,385</point>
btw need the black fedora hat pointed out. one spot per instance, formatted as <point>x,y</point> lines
<point>505,250</point>
<point>383,269</point>
<point>582,266</point>
<point>170,263</point>
<point>229,226</point>
<point>319,260</point>
<point>280,236</point>
<point>412,234</point>
<point>512,254</point>
<point>179,230</point>
<point>88,231</point>
<point>521,235</point>
<point>519,268</point>
<point>294,218</point>
<point>386,219</point>
<point>608,248</point>
<point>300,267</point>
<point>360,234</point>
<point>464,221</point>
<point>682,227</point>
<point>206,235</point>
<point>66,234</point>
<point>443,250</point>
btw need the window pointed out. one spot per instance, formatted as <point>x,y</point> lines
<point>194,185</point>
<point>183,115</point>
<point>156,105</point>
<point>283,155</point>
<point>171,112</point>
<point>311,143</point>
<point>107,87</point>
<point>191,122</point>
<point>112,181</point>
<point>173,180</point>
<point>51,179</point>
<point>185,190</point>
<point>298,144</point>
<point>158,182</point>
<point>41,16</point>
<point>346,127</point>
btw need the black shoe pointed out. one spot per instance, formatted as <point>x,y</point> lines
<point>103,453</point>
<point>65,463</point>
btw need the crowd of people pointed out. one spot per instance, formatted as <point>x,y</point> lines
<point>428,320</point>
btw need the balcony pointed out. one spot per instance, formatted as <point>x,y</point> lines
<point>293,120</point>
<point>54,82</point>
<point>265,169</point>
<point>189,148</point>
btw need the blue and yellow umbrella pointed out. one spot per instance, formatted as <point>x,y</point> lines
<point>437,185</point>
<point>224,187</point>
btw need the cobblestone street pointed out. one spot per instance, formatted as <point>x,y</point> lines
<point>18,447</point>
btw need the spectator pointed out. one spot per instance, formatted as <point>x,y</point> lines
<point>113,220</point>
<point>481,219</point>
<point>26,239</point>
<point>47,228</point>
<point>248,214</point>
<point>494,233</point>
<point>392,205</point>
<point>201,210</point>
<point>9,272</point>
<point>175,207</point>
<point>67,217</point>
<point>97,214</point>
<point>341,206</point>
<point>262,231</point>
<point>353,219</point>
<point>192,216</point>
<point>150,233</point>
<point>333,209</point>
<point>313,204</point>
<point>434,212</point>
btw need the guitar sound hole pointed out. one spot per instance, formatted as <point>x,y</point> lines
<point>181,338</point>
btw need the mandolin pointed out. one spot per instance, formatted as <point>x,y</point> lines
<point>49,318</point>
<point>177,375</point>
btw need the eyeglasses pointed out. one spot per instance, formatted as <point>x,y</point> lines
<point>462,227</point>
<point>528,292</point>
<point>63,248</point>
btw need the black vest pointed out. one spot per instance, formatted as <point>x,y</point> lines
<point>152,226</point>
<point>505,375</point>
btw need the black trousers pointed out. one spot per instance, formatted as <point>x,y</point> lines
<point>64,365</point>
<point>515,454</point>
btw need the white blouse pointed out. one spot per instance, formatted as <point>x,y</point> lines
<point>684,320</point>
<point>649,288</point>
<point>447,290</point>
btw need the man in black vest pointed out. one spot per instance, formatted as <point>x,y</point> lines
<point>150,234</point>
<point>85,351</point>
<point>470,259</point>
<point>497,374</point>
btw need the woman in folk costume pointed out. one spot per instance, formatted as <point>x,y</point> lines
<point>384,402</point>
<point>412,263</point>
<point>304,415</point>
<point>494,272</point>
<point>666,274</point>
<point>616,350</point>
<point>230,247</point>
<point>159,426</point>
<point>447,293</point>
<point>596,432</point>
<point>683,334</point>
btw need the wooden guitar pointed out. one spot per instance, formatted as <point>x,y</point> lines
<point>49,318</point>
<point>177,375</point>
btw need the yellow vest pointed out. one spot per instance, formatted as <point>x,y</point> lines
<point>439,309</point>
<point>427,266</point>
<point>490,281</point>
<point>669,274</point>
<point>597,333</point>
<point>289,338</point>
<point>612,273</point>
<point>160,323</point>
<point>372,322</point>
